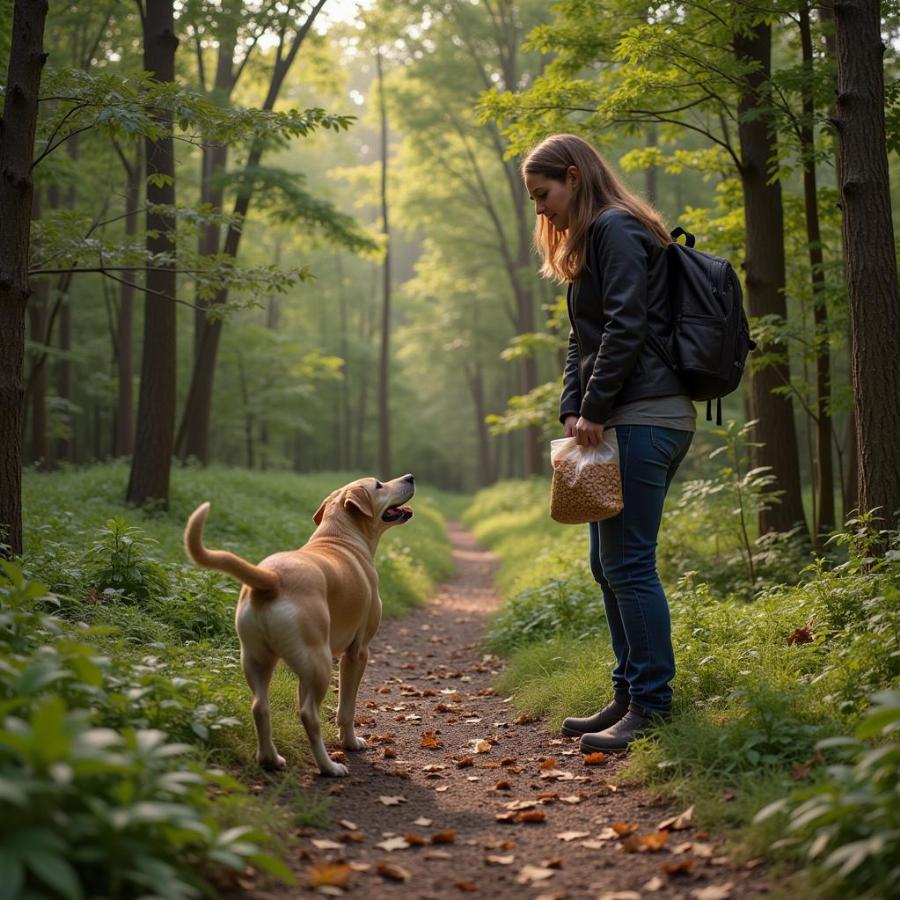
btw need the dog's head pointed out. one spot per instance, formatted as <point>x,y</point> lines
<point>372,505</point>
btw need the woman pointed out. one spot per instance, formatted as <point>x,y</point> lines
<point>610,246</point>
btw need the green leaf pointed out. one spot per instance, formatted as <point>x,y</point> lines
<point>12,875</point>
<point>274,866</point>
<point>56,872</point>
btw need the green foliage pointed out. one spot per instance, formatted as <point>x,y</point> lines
<point>93,803</point>
<point>761,681</point>
<point>848,823</point>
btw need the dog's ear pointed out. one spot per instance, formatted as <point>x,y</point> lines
<point>317,516</point>
<point>359,497</point>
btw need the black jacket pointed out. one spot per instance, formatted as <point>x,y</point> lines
<point>619,297</point>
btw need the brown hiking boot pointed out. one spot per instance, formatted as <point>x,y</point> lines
<point>634,724</point>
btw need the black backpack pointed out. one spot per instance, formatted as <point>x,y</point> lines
<point>710,335</point>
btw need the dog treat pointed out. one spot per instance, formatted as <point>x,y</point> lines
<point>587,493</point>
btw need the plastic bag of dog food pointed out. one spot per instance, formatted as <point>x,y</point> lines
<point>587,484</point>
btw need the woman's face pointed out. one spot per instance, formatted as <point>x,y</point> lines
<point>553,198</point>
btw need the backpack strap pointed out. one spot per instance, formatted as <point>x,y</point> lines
<point>689,239</point>
<point>718,410</point>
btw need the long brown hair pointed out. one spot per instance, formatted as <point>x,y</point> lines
<point>598,188</point>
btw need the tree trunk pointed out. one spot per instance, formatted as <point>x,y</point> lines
<point>152,460</point>
<point>384,366</point>
<point>765,280</point>
<point>17,127</point>
<point>123,444</point>
<point>37,314</point>
<point>868,239</point>
<point>825,518</point>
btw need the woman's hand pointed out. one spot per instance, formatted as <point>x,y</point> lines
<point>586,434</point>
<point>569,425</point>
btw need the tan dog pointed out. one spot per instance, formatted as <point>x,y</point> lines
<point>309,605</point>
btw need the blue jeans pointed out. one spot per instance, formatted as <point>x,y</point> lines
<point>623,561</point>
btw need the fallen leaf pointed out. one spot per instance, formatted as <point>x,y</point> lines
<point>654,884</point>
<point>503,786</point>
<point>465,762</point>
<point>430,741</point>
<point>713,892</point>
<point>414,840</point>
<point>520,804</point>
<point>620,895</point>
<point>508,761</point>
<point>392,801</point>
<point>593,845</point>
<point>466,887</point>
<point>624,828</point>
<point>481,746</point>
<point>351,837</point>
<point>329,875</point>
<point>442,788</point>
<point>801,636</point>
<point>422,822</point>
<point>392,871</point>
<point>532,816</point>
<point>682,867</point>
<point>680,822</point>
<point>531,874</point>
<point>595,759</point>
<point>525,719</point>
<point>555,863</point>
<point>444,837</point>
<point>326,845</point>
<point>394,843</point>
<point>654,841</point>
<point>346,823</point>
<point>389,753</point>
<point>572,835</point>
<point>571,799</point>
<point>499,860</point>
<point>433,767</point>
<point>548,763</point>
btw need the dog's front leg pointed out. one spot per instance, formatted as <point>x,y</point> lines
<point>353,665</point>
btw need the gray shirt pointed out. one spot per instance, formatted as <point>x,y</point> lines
<point>674,411</point>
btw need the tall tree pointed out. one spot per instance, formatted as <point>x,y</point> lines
<point>869,252</point>
<point>384,362</point>
<point>765,272</point>
<point>17,130</point>
<point>152,460</point>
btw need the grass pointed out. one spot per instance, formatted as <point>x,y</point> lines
<point>760,682</point>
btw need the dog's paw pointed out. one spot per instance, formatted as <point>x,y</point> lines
<point>273,765</point>
<point>335,770</point>
<point>354,743</point>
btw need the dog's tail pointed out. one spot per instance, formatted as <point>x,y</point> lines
<point>254,576</point>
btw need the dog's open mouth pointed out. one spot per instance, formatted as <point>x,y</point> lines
<point>397,514</point>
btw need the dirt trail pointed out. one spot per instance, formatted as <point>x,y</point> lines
<point>425,704</point>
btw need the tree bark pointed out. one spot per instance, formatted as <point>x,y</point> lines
<point>152,460</point>
<point>17,128</point>
<point>384,367</point>
<point>123,439</point>
<point>765,279</point>
<point>825,515</point>
<point>193,432</point>
<point>868,239</point>
<point>37,315</point>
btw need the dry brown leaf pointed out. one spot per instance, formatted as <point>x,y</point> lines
<point>520,804</point>
<point>571,799</point>
<point>624,828</point>
<point>682,867</point>
<point>389,753</point>
<point>346,823</point>
<point>329,875</point>
<point>414,840</point>
<point>508,761</point>
<point>430,741</point>
<point>572,835</point>
<point>444,837</point>
<point>503,786</point>
<point>620,895</point>
<point>326,845</point>
<point>481,746</point>
<point>554,863</point>
<point>392,872</point>
<point>499,860</point>
<point>595,759</point>
<point>654,884</point>
<point>533,816</point>
<point>465,762</point>
<point>713,892</point>
<point>532,874</point>
<point>506,817</point>
<point>654,841</point>
<point>525,719</point>
<point>549,763</point>
<point>351,837</point>
<point>394,843</point>
<point>422,822</point>
<point>467,887</point>
<point>392,801</point>
<point>680,822</point>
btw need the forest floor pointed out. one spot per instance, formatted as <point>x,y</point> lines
<point>459,794</point>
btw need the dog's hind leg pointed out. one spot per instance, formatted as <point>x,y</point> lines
<point>313,670</point>
<point>258,672</point>
<point>353,665</point>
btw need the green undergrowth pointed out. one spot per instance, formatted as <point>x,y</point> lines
<point>127,745</point>
<point>771,689</point>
